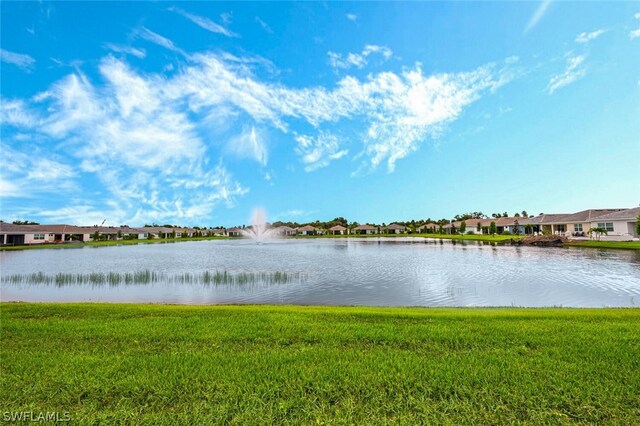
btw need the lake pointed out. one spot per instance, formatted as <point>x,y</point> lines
<point>365,271</point>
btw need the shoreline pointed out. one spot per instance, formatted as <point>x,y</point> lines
<point>497,239</point>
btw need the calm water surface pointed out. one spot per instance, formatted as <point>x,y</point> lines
<point>391,272</point>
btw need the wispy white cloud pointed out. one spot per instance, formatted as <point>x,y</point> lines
<point>399,110</point>
<point>537,15</point>
<point>249,144</point>
<point>21,60</point>
<point>119,48</point>
<point>205,22</point>
<point>587,37</point>
<point>352,17</point>
<point>317,152</point>
<point>145,137</point>
<point>358,60</point>
<point>34,173</point>
<point>574,70</point>
<point>140,144</point>
<point>16,113</point>
<point>633,34</point>
<point>155,38</point>
<point>264,25</point>
<point>226,17</point>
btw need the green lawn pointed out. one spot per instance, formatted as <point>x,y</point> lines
<point>155,364</point>
<point>629,245</point>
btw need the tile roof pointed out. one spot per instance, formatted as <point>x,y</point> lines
<point>365,228</point>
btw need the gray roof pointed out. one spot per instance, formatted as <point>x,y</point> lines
<point>588,215</point>
<point>543,219</point>
<point>629,214</point>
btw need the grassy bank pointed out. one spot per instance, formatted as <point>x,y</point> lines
<point>488,238</point>
<point>627,245</point>
<point>264,364</point>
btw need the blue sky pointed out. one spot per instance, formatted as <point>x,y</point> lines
<point>196,113</point>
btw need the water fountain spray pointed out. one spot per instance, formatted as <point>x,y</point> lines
<point>260,231</point>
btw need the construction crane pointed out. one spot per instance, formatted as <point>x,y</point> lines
<point>103,222</point>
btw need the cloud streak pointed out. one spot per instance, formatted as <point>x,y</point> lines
<point>633,34</point>
<point>155,38</point>
<point>537,16</point>
<point>587,37</point>
<point>118,48</point>
<point>574,70</point>
<point>21,60</point>
<point>204,22</point>
<point>358,60</point>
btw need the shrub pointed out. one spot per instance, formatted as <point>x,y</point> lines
<point>470,232</point>
<point>506,232</point>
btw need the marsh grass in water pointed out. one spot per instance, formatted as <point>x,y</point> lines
<point>150,277</point>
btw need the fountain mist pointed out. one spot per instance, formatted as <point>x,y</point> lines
<point>260,231</point>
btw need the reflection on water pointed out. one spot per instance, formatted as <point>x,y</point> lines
<point>367,271</point>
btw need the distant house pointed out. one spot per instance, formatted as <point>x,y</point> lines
<point>234,232</point>
<point>365,230</point>
<point>576,224</point>
<point>308,230</point>
<point>216,232</point>
<point>429,228</point>
<point>285,231</point>
<point>11,234</point>
<point>620,224</point>
<point>161,232</point>
<point>394,228</point>
<point>338,230</point>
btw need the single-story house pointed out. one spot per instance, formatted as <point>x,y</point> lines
<point>365,230</point>
<point>308,230</point>
<point>429,228</point>
<point>234,232</point>
<point>394,228</point>
<point>338,230</point>
<point>11,234</point>
<point>284,231</point>
<point>215,232</point>
<point>620,224</point>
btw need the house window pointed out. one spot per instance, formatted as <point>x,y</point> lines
<point>607,225</point>
<point>38,236</point>
<point>577,227</point>
<point>561,228</point>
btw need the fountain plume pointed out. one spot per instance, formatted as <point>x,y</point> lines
<point>260,231</point>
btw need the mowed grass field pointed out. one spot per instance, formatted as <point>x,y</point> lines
<point>158,364</point>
